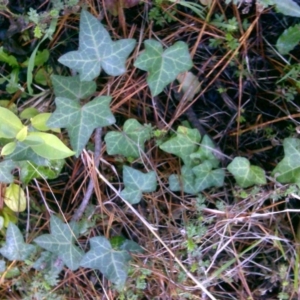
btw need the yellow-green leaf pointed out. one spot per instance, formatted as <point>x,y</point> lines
<point>39,122</point>
<point>22,134</point>
<point>10,124</point>
<point>15,198</point>
<point>51,148</point>
<point>8,148</point>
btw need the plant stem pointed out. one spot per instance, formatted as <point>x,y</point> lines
<point>90,189</point>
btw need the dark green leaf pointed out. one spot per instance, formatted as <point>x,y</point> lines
<point>61,242</point>
<point>81,121</point>
<point>111,263</point>
<point>72,88</point>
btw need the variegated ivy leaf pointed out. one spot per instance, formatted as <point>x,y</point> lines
<point>130,142</point>
<point>111,263</point>
<point>183,144</point>
<point>205,152</point>
<point>97,50</point>
<point>184,182</point>
<point>137,182</point>
<point>163,66</point>
<point>6,168</point>
<point>206,177</point>
<point>61,242</point>
<point>288,169</point>
<point>246,174</point>
<point>14,247</point>
<point>197,179</point>
<point>81,121</point>
<point>72,88</point>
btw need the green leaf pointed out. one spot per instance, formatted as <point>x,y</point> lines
<point>163,66</point>
<point>39,122</point>
<point>245,174</point>
<point>10,124</point>
<point>72,88</point>
<point>130,142</point>
<point>96,50</point>
<point>8,59</point>
<point>29,113</point>
<point>14,247</point>
<point>111,263</point>
<point>6,168</point>
<point>51,146</point>
<point>184,182</point>
<point>137,182</point>
<point>205,152</point>
<point>40,58</point>
<point>8,148</point>
<point>288,169</point>
<point>81,121</point>
<point>184,144</point>
<point>289,39</point>
<point>61,242</point>
<point>30,170</point>
<point>206,177</point>
<point>287,7</point>
<point>24,152</point>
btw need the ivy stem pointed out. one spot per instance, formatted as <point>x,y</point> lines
<point>90,189</point>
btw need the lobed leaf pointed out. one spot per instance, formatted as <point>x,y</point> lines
<point>61,242</point>
<point>14,247</point>
<point>97,50</point>
<point>288,169</point>
<point>130,142</point>
<point>72,88</point>
<point>245,174</point>
<point>137,182</point>
<point>111,263</point>
<point>183,144</point>
<point>6,168</point>
<point>81,121</point>
<point>163,66</point>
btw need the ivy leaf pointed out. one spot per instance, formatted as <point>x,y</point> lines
<point>288,169</point>
<point>24,152</point>
<point>61,242</point>
<point>81,121</point>
<point>72,88</point>
<point>245,174</point>
<point>206,177</point>
<point>289,39</point>
<point>205,152</point>
<point>184,144</point>
<point>111,263</point>
<point>96,50</point>
<point>30,170</point>
<point>163,66</point>
<point>130,142</point>
<point>6,168</point>
<point>184,182</point>
<point>14,247</point>
<point>137,182</point>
